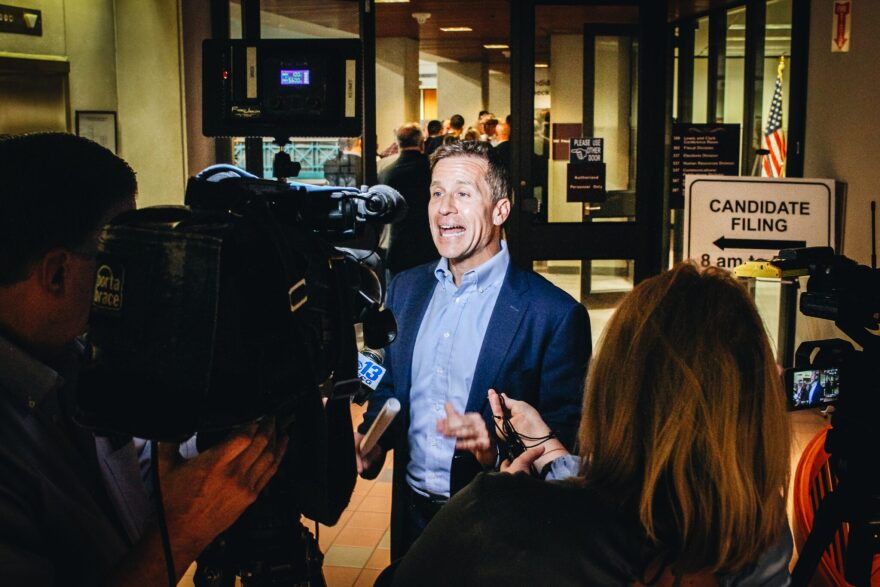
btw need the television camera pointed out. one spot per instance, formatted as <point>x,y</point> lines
<point>239,305</point>
<point>834,372</point>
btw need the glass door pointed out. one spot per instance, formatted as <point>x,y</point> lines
<point>579,72</point>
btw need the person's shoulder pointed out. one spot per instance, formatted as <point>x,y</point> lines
<point>386,174</point>
<point>408,160</point>
<point>542,289</point>
<point>416,274</point>
<point>497,494</point>
<point>498,485</point>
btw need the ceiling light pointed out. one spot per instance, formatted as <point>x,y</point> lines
<point>392,1</point>
<point>742,27</point>
<point>496,46</point>
<point>456,29</point>
<point>542,65</point>
<point>743,39</point>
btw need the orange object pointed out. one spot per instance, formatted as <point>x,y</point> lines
<point>812,481</point>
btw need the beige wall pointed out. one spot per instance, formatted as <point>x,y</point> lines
<point>566,106</point>
<point>499,94</point>
<point>91,48</point>
<point>151,111</point>
<point>841,131</point>
<point>842,117</point>
<point>460,90</point>
<point>196,27</point>
<point>612,107</point>
<point>397,86</point>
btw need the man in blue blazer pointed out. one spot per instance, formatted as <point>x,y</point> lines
<point>471,322</point>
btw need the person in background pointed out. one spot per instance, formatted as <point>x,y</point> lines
<point>386,159</point>
<point>502,144</point>
<point>815,391</point>
<point>679,481</point>
<point>471,134</point>
<point>435,137</point>
<point>456,126</point>
<point>410,243</point>
<point>73,508</point>
<point>469,322</point>
<point>346,169</point>
<point>489,131</point>
<point>389,151</point>
<point>482,117</point>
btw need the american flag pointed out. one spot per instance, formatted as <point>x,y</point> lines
<point>774,136</point>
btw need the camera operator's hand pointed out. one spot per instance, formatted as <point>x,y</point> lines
<point>369,465</point>
<point>214,488</point>
<point>202,497</point>
<point>470,433</point>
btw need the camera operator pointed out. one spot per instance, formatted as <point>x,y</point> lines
<point>684,465</point>
<point>73,509</point>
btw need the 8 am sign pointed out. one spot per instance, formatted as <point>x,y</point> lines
<point>731,220</point>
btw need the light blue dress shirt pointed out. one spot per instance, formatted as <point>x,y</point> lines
<point>444,359</point>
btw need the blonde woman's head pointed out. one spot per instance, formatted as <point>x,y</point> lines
<point>684,420</point>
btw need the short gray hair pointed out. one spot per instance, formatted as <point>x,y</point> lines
<point>497,175</point>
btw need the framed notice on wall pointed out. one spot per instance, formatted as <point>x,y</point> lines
<point>97,125</point>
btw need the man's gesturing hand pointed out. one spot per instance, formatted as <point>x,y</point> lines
<point>470,433</point>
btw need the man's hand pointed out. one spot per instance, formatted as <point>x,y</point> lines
<point>370,464</point>
<point>204,495</point>
<point>470,433</point>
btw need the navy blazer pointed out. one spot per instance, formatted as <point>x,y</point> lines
<point>537,347</point>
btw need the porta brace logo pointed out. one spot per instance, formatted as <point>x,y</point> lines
<point>108,288</point>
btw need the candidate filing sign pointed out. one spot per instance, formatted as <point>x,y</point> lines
<point>730,220</point>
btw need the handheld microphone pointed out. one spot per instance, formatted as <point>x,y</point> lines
<point>384,204</point>
<point>370,369</point>
<point>380,424</point>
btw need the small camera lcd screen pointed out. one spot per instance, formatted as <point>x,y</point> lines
<point>813,387</point>
<point>295,77</point>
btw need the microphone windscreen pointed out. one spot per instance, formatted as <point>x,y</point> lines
<point>386,204</point>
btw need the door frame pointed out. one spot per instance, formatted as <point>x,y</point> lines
<point>644,241</point>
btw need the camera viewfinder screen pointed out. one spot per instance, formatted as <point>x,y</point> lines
<point>295,77</point>
<point>814,388</point>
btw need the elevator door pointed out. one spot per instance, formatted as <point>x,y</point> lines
<point>34,95</point>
